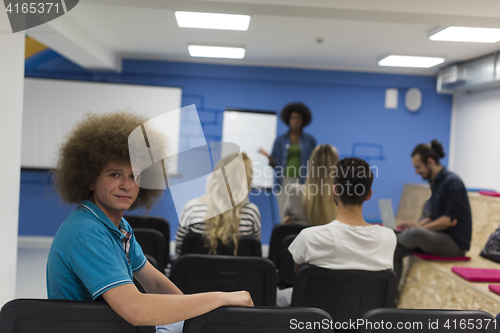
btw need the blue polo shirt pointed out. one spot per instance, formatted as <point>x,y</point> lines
<point>87,256</point>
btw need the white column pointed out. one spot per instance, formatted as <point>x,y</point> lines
<point>11,112</point>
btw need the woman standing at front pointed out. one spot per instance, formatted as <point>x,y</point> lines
<point>291,150</point>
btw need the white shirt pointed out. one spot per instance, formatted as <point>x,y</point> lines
<point>337,245</point>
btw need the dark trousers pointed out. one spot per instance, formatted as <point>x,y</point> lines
<point>423,240</point>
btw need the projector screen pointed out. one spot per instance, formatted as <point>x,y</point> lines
<point>252,130</point>
<point>52,107</point>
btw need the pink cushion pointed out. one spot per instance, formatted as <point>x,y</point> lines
<point>426,256</point>
<point>478,274</point>
<point>490,193</point>
<point>495,288</point>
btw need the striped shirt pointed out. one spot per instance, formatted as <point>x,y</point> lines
<point>193,220</point>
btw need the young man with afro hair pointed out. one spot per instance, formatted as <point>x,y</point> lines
<point>94,254</point>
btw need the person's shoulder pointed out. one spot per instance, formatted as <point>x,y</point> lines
<point>80,218</point>
<point>452,178</point>
<point>250,206</point>
<point>80,226</point>
<point>281,137</point>
<point>386,233</point>
<point>307,135</point>
<point>318,229</point>
<point>193,211</point>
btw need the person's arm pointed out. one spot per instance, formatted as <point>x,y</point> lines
<point>424,222</point>
<point>442,223</point>
<point>297,266</point>
<point>272,161</point>
<point>159,309</point>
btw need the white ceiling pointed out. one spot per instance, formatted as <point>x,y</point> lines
<point>356,34</point>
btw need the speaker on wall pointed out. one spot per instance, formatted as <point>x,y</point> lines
<point>413,99</point>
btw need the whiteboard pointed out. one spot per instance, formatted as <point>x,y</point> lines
<point>252,130</point>
<point>52,107</point>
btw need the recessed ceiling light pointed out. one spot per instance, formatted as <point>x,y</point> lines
<point>216,51</point>
<point>212,21</point>
<point>410,61</point>
<point>465,34</point>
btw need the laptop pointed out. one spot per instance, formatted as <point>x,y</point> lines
<point>387,213</point>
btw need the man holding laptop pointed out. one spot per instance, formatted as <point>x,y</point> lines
<point>448,230</point>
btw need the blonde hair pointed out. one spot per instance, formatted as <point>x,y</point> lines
<point>318,203</point>
<point>225,227</point>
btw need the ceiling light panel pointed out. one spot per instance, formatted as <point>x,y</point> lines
<point>216,52</point>
<point>212,21</point>
<point>410,61</point>
<point>465,34</point>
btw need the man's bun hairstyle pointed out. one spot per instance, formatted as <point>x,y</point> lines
<point>437,147</point>
<point>434,150</point>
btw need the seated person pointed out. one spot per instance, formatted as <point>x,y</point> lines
<point>94,254</point>
<point>348,242</point>
<point>241,220</point>
<point>312,203</point>
<point>447,230</point>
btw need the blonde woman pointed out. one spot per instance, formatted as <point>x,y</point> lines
<point>312,203</point>
<point>228,227</point>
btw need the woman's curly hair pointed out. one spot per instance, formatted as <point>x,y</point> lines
<point>299,108</point>
<point>96,141</point>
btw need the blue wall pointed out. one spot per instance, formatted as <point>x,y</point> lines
<point>348,112</point>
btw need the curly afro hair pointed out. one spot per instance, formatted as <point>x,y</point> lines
<point>299,108</point>
<point>96,141</point>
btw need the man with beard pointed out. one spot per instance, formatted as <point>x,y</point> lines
<point>448,230</point>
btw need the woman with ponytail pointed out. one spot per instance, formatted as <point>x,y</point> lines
<point>312,203</point>
<point>225,228</point>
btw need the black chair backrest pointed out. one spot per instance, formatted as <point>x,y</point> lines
<point>279,232</point>
<point>427,321</point>
<point>195,273</point>
<point>247,246</point>
<point>152,222</point>
<point>344,294</point>
<point>259,320</point>
<point>50,316</point>
<point>286,265</point>
<point>153,244</point>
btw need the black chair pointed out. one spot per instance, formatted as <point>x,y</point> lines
<point>344,294</point>
<point>50,316</point>
<point>259,320</point>
<point>247,246</point>
<point>427,321</point>
<point>153,245</point>
<point>286,265</point>
<point>152,222</point>
<point>195,273</point>
<point>279,232</point>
